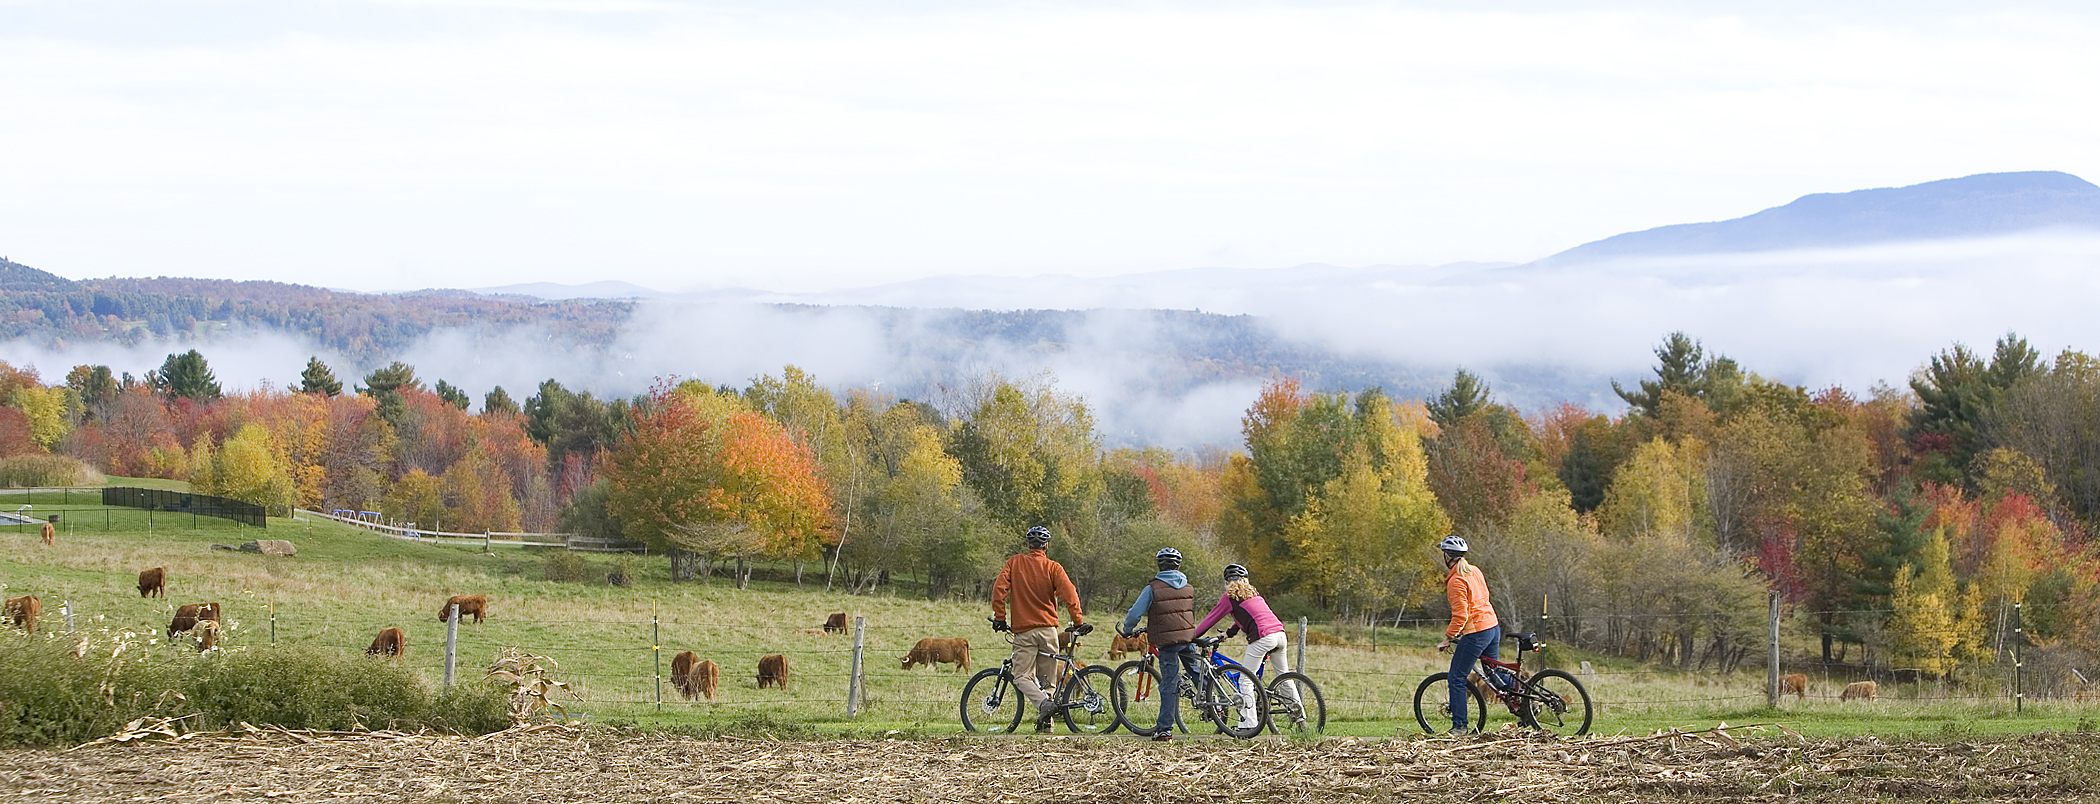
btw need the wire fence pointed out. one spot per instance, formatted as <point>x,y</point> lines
<point>619,668</point>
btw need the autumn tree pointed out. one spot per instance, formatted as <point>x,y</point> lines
<point>249,467</point>
<point>95,386</point>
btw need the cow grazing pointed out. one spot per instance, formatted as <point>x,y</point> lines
<point>207,635</point>
<point>1120,645</point>
<point>190,614</point>
<point>389,642</point>
<point>936,650</point>
<point>153,582</point>
<point>695,678</point>
<point>773,670</point>
<point>1795,685</point>
<point>1863,690</point>
<point>1067,643</point>
<point>477,605</point>
<point>836,623</point>
<point>22,612</point>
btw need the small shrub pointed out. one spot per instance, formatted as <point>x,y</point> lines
<point>304,688</point>
<point>35,471</point>
<point>564,566</point>
<point>471,709</point>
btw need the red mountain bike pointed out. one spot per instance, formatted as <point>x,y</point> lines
<point>1549,700</point>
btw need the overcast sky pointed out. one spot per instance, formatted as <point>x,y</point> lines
<point>816,145</point>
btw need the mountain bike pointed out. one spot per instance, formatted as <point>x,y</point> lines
<point>992,704</point>
<point>1549,700</point>
<point>1290,702</point>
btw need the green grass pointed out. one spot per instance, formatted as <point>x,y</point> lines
<point>347,583</point>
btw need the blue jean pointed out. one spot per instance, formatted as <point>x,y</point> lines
<point>1465,653</point>
<point>1171,659</point>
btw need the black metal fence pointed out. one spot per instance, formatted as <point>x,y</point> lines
<point>246,513</point>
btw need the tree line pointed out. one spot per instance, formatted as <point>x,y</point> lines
<point>1902,525</point>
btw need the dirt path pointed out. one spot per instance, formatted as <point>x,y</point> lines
<point>557,765</point>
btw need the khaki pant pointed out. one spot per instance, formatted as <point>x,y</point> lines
<point>1035,670</point>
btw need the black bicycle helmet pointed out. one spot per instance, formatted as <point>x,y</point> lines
<point>1038,536</point>
<point>1234,572</point>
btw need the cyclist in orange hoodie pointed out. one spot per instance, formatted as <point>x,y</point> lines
<point>1036,584</point>
<point>1474,630</point>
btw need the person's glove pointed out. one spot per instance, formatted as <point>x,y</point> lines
<point>1000,625</point>
<point>1232,632</point>
<point>1083,629</point>
<point>1125,634</point>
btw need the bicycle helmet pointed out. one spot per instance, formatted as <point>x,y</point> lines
<point>1452,544</point>
<point>1038,536</point>
<point>1167,558</point>
<point>1233,571</point>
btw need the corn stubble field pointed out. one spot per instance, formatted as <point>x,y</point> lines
<point>905,744</point>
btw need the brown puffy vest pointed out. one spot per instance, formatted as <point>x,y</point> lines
<point>1172,618</point>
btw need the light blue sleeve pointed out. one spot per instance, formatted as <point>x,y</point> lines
<point>1138,609</point>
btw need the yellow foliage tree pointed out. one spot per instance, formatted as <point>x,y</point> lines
<point>1660,491</point>
<point>249,467</point>
<point>46,409</point>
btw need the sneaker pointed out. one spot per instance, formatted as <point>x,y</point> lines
<point>1163,737</point>
<point>1042,722</point>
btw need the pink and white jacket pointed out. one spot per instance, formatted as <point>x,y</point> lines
<point>1252,615</point>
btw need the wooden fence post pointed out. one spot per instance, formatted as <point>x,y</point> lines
<point>1300,666</point>
<point>853,682</point>
<point>451,643</point>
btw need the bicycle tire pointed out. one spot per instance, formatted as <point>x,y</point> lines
<point>1136,697</point>
<point>1225,715</point>
<point>1433,698</point>
<point>1088,701</point>
<point>1298,708</point>
<point>991,704</point>
<point>1551,701</point>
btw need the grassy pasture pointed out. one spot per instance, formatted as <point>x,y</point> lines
<point>346,583</point>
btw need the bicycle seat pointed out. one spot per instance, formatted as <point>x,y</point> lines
<point>1209,642</point>
<point>1528,641</point>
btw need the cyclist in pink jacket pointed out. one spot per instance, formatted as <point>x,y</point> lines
<point>1265,639</point>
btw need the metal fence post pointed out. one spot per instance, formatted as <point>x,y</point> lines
<point>1772,649</point>
<point>656,647</point>
<point>66,608</point>
<point>2019,670</point>
<point>1301,645</point>
<point>451,643</point>
<point>273,622</point>
<point>853,682</point>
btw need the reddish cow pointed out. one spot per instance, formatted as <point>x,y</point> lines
<point>682,674</point>
<point>22,612</point>
<point>153,582</point>
<point>389,642</point>
<point>189,614</point>
<point>1863,690</point>
<point>935,650</point>
<point>207,635</point>
<point>1795,685</point>
<point>476,605</point>
<point>707,676</point>
<point>50,534</point>
<point>773,670</point>
<point>1120,645</point>
<point>836,623</point>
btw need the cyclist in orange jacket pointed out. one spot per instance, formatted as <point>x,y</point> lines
<point>1036,584</point>
<point>1474,630</point>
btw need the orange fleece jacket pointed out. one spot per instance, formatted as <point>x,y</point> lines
<point>1037,584</point>
<point>1470,609</point>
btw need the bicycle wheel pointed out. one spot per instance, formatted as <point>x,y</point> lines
<point>991,703</point>
<point>1226,705</point>
<point>1087,701</point>
<point>1296,705</point>
<point>1433,705</point>
<point>1555,702</point>
<point>1135,693</point>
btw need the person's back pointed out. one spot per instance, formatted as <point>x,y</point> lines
<point>1168,605</point>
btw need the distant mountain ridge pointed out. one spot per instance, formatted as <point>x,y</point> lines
<point>1984,205</point>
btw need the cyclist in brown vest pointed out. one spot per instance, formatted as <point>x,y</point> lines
<point>1168,605</point>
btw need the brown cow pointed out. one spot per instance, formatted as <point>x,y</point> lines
<point>22,611</point>
<point>153,582</point>
<point>476,605</point>
<point>836,623</point>
<point>207,635</point>
<point>1795,685</point>
<point>189,614</point>
<point>695,678</point>
<point>1863,690</point>
<point>935,650</point>
<point>1120,645</point>
<point>50,534</point>
<point>773,669</point>
<point>389,642</point>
